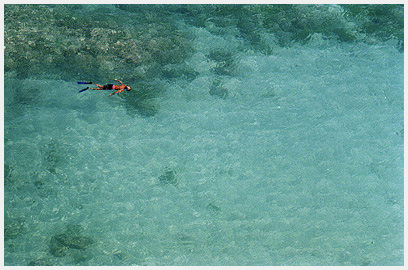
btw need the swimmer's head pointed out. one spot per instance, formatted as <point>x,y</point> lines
<point>128,88</point>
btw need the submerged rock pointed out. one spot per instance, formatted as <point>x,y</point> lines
<point>8,171</point>
<point>52,156</point>
<point>169,177</point>
<point>57,248</point>
<point>213,208</point>
<point>13,227</point>
<point>218,90</point>
<point>78,242</point>
<point>40,262</point>
<point>70,239</point>
<point>225,64</point>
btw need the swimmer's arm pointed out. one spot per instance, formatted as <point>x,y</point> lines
<point>119,91</point>
<point>119,82</point>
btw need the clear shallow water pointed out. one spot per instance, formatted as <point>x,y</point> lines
<point>293,158</point>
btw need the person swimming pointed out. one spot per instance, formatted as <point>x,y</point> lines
<point>120,88</point>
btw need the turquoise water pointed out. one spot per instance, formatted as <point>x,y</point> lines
<point>251,137</point>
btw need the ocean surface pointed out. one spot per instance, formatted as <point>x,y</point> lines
<point>253,135</point>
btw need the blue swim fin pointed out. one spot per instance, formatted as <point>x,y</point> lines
<point>84,82</point>
<point>83,90</point>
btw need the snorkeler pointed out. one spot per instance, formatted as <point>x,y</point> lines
<point>122,87</point>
